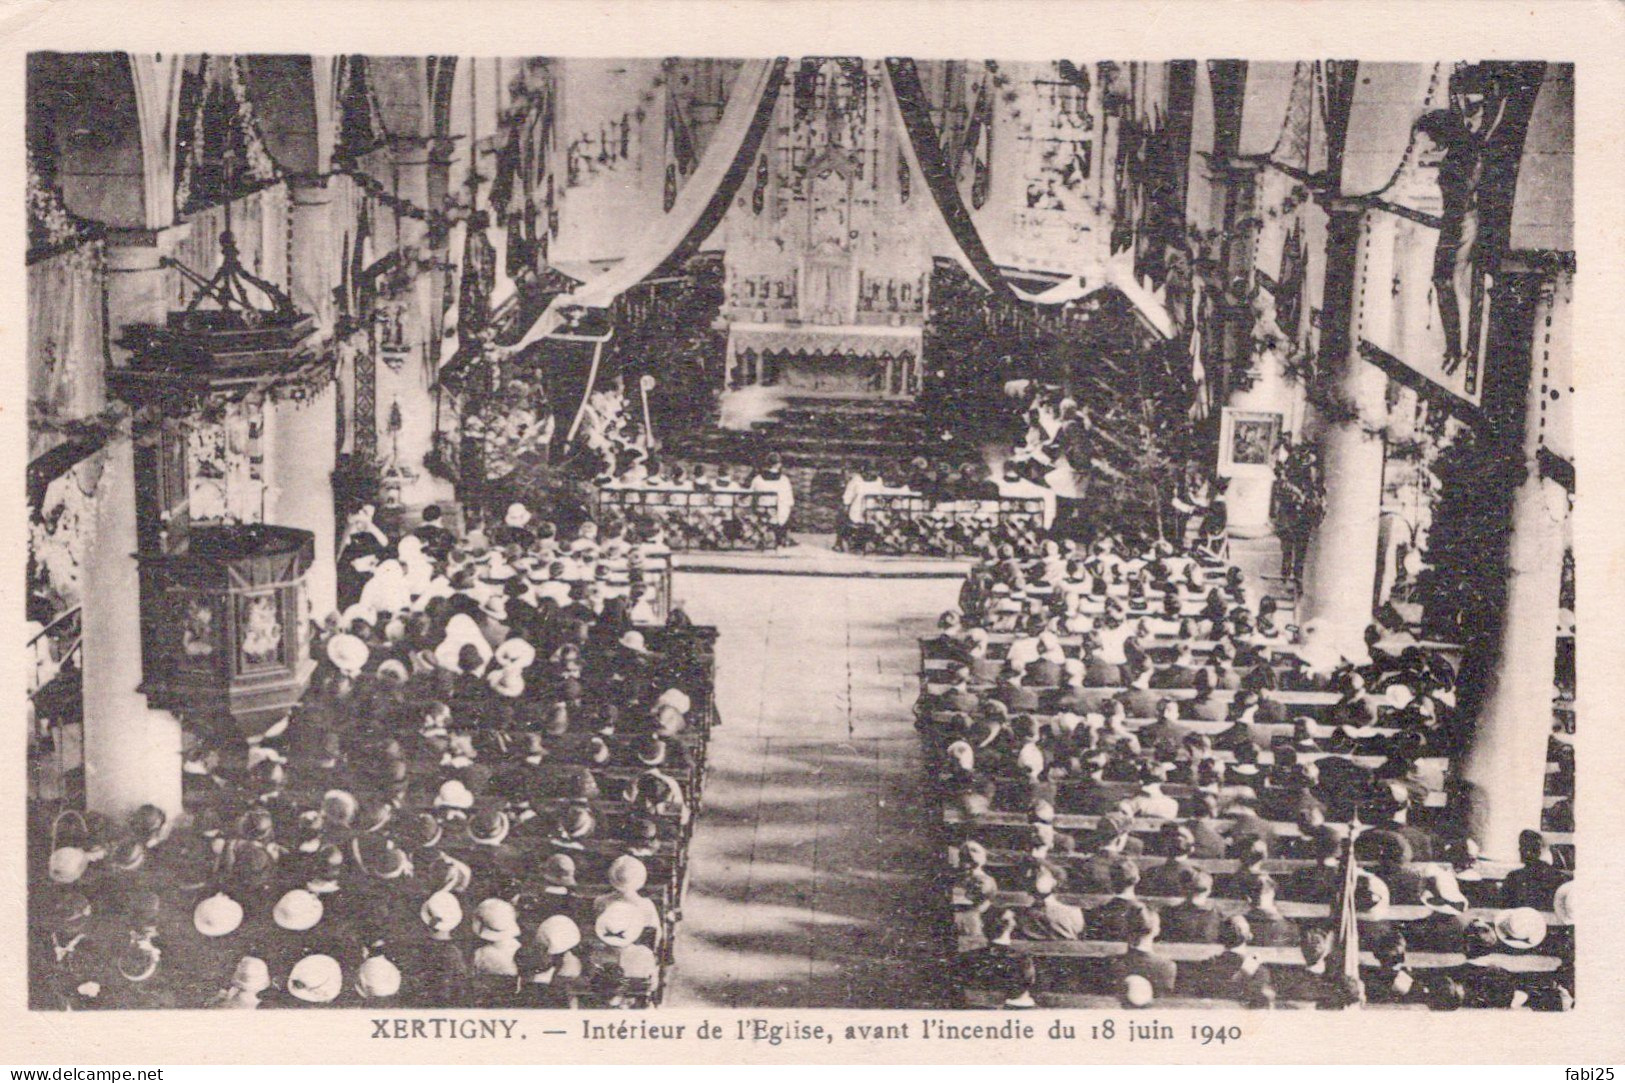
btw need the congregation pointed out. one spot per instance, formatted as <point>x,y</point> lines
<point>485,800</point>
<point>1149,790</point>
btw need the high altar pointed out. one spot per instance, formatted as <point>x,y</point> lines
<point>828,255</point>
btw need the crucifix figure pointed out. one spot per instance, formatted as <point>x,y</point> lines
<point>1463,135</point>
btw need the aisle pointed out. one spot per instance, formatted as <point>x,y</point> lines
<point>805,885</point>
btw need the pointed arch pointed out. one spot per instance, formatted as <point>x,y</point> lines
<point>104,119</point>
<point>292,98</point>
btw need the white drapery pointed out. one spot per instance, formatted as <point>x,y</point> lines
<point>1117,273</point>
<point>664,236</point>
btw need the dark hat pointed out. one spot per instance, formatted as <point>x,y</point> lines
<point>142,907</point>
<point>147,821</point>
<point>422,830</point>
<point>559,870</point>
<point>127,855</point>
<point>378,856</point>
<point>251,864</point>
<point>641,831</point>
<point>651,750</point>
<point>67,910</point>
<point>374,814</point>
<point>1124,874</point>
<point>1195,881</point>
<point>488,825</point>
<point>575,822</point>
<point>579,784</point>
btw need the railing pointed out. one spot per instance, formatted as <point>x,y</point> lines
<point>714,519</point>
<point>919,526</point>
<point>56,729</point>
<point>655,581</point>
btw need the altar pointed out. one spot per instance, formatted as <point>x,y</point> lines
<point>827,262</point>
<point>850,361</point>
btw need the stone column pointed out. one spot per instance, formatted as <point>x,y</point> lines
<point>411,387</point>
<point>137,282</point>
<point>312,262</point>
<point>1247,497</point>
<point>1507,762</point>
<point>1340,568</point>
<point>300,476</point>
<point>132,752</point>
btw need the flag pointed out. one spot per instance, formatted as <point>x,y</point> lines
<point>1344,960</point>
<point>1199,389</point>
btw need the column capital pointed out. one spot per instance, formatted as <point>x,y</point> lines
<point>161,239</point>
<point>412,150</point>
<point>1543,263</point>
<point>1342,208</point>
<point>1237,165</point>
<point>309,188</point>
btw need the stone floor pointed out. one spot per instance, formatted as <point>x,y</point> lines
<point>805,887</point>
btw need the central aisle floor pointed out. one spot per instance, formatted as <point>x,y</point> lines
<point>806,883</point>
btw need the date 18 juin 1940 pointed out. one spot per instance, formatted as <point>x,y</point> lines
<point>1150,1031</point>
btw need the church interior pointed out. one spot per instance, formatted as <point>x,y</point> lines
<point>805,532</point>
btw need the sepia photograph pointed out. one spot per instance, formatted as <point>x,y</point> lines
<point>822,532</point>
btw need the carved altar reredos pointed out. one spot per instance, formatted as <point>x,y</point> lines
<point>827,261</point>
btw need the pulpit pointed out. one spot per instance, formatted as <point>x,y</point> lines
<point>224,627</point>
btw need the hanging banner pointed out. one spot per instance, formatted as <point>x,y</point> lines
<point>926,157</point>
<point>671,240</point>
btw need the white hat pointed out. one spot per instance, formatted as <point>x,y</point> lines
<point>461,631</point>
<point>1522,927</point>
<point>518,516</point>
<point>628,874</point>
<point>1442,893</point>
<point>67,864</point>
<point>453,794</point>
<point>638,963</point>
<point>515,654</point>
<point>377,977</point>
<point>632,640</point>
<point>507,682</point>
<point>347,653</point>
<point>394,670</point>
<point>962,754</point>
<point>676,699</point>
<point>251,975</point>
<point>316,979</point>
<point>559,933</point>
<point>1137,991</point>
<point>620,925</point>
<point>297,911</point>
<point>1377,897</point>
<point>441,912</point>
<point>1561,906</point>
<point>496,919</point>
<point>1030,759</point>
<point>217,915</point>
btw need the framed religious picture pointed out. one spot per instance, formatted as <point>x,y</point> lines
<point>1247,441</point>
